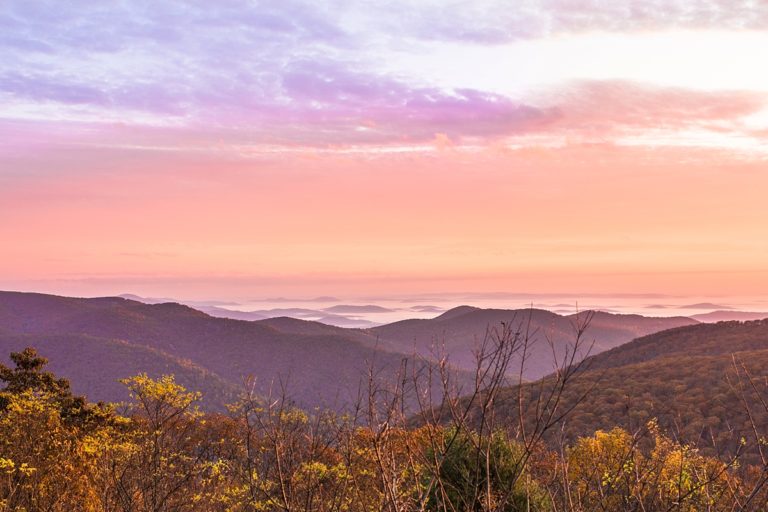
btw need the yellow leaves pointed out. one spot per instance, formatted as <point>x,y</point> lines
<point>7,466</point>
<point>610,469</point>
<point>27,402</point>
<point>320,472</point>
<point>26,470</point>
<point>91,446</point>
<point>165,389</point>
<point>612,452</point>
<point>295,416</point>
<point>122,421</point>
<point>47,459</point>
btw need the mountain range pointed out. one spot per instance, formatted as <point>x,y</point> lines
<point>96,341</point>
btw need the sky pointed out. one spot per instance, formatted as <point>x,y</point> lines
<point>242,149</point>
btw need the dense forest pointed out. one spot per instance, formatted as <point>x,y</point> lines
<point>464,452</point>
<point>704,384</point>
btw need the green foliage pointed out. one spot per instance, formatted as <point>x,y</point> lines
<point>29,374</point>
<point>478,474</point>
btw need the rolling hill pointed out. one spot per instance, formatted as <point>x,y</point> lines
<point>459,331</point>
<point>93,342</point>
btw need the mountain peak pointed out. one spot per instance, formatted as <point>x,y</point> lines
<point>456,312</point>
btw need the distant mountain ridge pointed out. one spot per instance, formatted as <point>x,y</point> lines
<point>725,316</point>
<point>356,308</point>
<point>458,331</point>
<point>334,315</point>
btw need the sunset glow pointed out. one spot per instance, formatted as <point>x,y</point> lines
<point>242,149</point>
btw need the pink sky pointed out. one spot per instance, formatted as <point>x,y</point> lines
<point>304,149</point>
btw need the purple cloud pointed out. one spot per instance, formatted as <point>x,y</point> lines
<point>283,72</point>
<point>341,100</point>
<point>298,71</point>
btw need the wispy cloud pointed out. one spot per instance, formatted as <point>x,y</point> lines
<point>499,22</point>
<point>611,111</point>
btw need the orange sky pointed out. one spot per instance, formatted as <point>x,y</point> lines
<point>589,218</point>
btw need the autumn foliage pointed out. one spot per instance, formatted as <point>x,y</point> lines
<point>160,453</point>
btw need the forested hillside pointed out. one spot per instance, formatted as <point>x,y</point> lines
<point>721,338</point>
<point>59,453</point>
<point>704,383</point>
